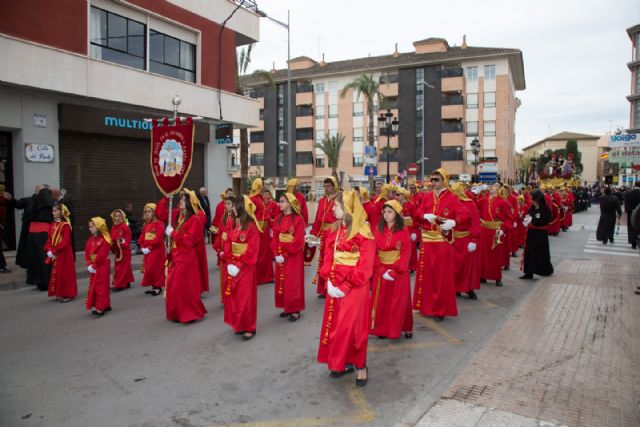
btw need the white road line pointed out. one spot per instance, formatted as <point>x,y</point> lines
<point>602,247</point>
<point>590,251</point>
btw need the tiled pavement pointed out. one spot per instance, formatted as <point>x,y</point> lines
<point>569,355</point>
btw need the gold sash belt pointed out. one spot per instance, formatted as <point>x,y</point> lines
<point>285,237</point>
<point>432,236</point>
<point>238,249</point>
<point>346,258</point>
<point>460,234</point>
<point>492,225</point>
<point>149,235</point>
<point>389,257</point>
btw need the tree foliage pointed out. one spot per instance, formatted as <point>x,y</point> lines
<point>330,146</point>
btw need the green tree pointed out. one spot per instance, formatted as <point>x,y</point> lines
<point>243,59</point>
<point>331,146</point>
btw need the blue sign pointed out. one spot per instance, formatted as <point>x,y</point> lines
<point>371,171</point>
<point>488,176</point>
<point>119,122</point>
<point>224,133</point>
<point>370,150</point>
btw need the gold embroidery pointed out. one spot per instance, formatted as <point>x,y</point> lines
<point>238,249</point>
<point>346,258</point>
<point>285,237</point>
<point>432,236</point>
<point>388,257</point>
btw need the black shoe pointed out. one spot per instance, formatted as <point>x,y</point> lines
<point>439,318</point>
<point>156,291</point>
<point>63,300</point>
<point>637,291</point>
<point>283,314</point>
<point>98,313</point>
<point>149,292</point>
<point>363,382</point>
<point>611,240</point>
<point>457,294</point>
<point>408,335</point>
<point>5,270</point>
<point>382,338</point>
<point>239,332</point>
<point>632,247</point>
<point>294,317</point>
<point>248,337</point>
<point>604,242</point>
<point>483,280</point>
<point>321,296</point>
<point>115,290</point>
<point>526,276</point>
<point>472,295</point>
<point>499,283</point>
<point>514,255</point>
<point>339,374</point>
<point>506,268</point>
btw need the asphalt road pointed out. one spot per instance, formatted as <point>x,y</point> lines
<point>59,366</point>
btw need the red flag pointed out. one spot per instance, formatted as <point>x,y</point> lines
<point>171,156</point>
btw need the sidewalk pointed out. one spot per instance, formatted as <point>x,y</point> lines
<point>569,355</point>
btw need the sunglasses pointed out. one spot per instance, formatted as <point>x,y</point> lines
<point>435,179</point>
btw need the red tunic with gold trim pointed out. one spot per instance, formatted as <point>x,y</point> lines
<point>345,324</point>
<point>435,291</point>
<point>183,302</point>
<point>153,264</point>
<point>201,252</point>
<point>62,283</point>
<point>569,199</point>
<point>273,211</point>
<point>221,239</point>
<point>162,211</point>
<point>324,219</point>
<point>408,210</point>
<point>288,241</point>
<point>96,254</point>
<point>556,215</point>
<point>391,312</point>
<point>303,207</point>
<point>494,216</point>
<point>121,247</point>
<point>467,264</point>
<point>264,267</point>
<point>241,292</point>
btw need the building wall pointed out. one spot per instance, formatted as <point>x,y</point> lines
<point>587,148</point>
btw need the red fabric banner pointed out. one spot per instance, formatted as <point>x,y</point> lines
<point>171,155</point>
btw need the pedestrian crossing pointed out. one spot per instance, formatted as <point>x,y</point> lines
<point>620,247</point>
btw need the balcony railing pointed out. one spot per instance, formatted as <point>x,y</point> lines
<point>248,4</point>
<point>452,126</point>
<point>304,88</point>
<point>452,100</point>
<point>452,72</point>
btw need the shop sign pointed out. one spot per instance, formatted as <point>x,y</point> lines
<point>624,140</point>
<point>624,155</point>
<point>224,133</point>
<point>39,121</point>
<point>39,153</point>
<point>120,122</point>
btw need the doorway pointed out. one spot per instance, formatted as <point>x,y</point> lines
<point>7,213</point>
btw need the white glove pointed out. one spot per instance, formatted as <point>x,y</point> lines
<point>429,217</point>
<point>484,187</point>
<point>527,220</point>
<point>515,225</point>
<point>145,251</point>
<point>312,244</point>
<point>501,233</point>
<point>448,225</point>
<point>414,236</point>
<point>476,190</point>
<point>333,291</point>
<point>168,230</point>
<point>471,247</point>
<point>271,232</point>
<point>221,254</point>
<point>91,270</point>
<point>279,259</point>
<point>232,270</point>
<point>387,276</point>
<point>51,255</point>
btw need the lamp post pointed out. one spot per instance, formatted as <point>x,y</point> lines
<point>388,126</point>
<point>423,158</point>
<point>475,149</point>
<point>289,103</point>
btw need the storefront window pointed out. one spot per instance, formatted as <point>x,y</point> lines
<point>172,57</point>
<point>115,38</point>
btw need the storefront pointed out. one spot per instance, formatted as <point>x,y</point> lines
<point>104,162</point>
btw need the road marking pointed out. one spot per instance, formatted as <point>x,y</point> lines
<point>609,253</point>
<point>620,247</point>
<point>363,413</point>
<point>435,327</point>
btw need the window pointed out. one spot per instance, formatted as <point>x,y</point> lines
<point>257,160</point>
<point>333,86</point>
<point>257,136</point>
<point>333,111</point>
<point>319,136</point>
<point>637,115</point>
<point>472,100</point>
<point>389,78</point>
<point>472,128</point>
<point>262,114</point>
<point>452,153</point>
<point>357,109</point>
<point>172,57</point>
<point>637,73</point>
<point>390,102</point>
<point>489,72</point>
<point>357,135</point>
<point>319,162</point>
<point>319,87</point>
<point>489,153</point>
<point>115,38</point>
<point>489,99</point>
<point>304,158</point>
<point>472,74</point>
<point>333,133</point>
<point>357,160</point>
<point>490,128</point>
<point>304,133</point>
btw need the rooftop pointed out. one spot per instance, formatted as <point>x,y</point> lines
<point>564,136</point>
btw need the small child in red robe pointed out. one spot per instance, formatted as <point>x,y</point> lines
<point>96,253</point>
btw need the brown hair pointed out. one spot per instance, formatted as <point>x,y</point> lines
<point>398,220</point>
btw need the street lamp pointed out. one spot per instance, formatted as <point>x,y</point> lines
<point>423,158</point>
<point>388,126</point>
<point>475,149</point>
<point>289,103</point>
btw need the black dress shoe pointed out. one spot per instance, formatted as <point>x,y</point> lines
<point>339,374</point>
<point>294,317</point>
<point>439,318</point>
<point>248,337</point>
<point>483,280</point>
<point>382,338</point>
<point>239,332</point>
<point>457,294</point>
<point>499,283</point>
<point>408,335</point>
<point>284,314</point>
<point>321,296</point>
<point>363,382</point>
<point>472,295</point>
<point>506,268</point>
<point>526,276</point>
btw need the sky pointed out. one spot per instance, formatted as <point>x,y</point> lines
<point>575,51</point>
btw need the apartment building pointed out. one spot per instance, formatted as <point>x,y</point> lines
<point>443,96</point>
<point>634,67</point>
<point>78,77</point>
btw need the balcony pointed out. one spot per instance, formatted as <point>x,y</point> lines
<point>304,88</point>
<point>452,126</point>
<point>452,72</point>
<point>386,89</point>
<point>452,99</point>
<point>452,112</point>
<point>304,98</point>
<point>452,139</point>
<point>453,84</point>
<point>304,170</point>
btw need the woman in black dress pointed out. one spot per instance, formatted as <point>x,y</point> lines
<point>537,259</point>
<point>609,208</point>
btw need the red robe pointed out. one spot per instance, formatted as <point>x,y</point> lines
<point>162,211</point>
<point>408,210</point>
<point>121,246</point>
<point>96,254</point>
<point>345,324</point>
<point>556,214</point>
<point>153,264</point>
<point>391,313</point>
<point>241,292</point>
<point>303,207</point>
<point>513,232</point>
<point>467,264</point>
<point>288,241</point>
<point>435,291</point>
<point>221,239</point>
<point>494,216</point>
<point>62,283</point>
<point>216,222</point>
<point>264,267</point>
<point>273,212</point>
<point>183,302</point>
<point>201,253</point>
<point>370,209</point>
<point>324,219</point>
<point>569,199</point>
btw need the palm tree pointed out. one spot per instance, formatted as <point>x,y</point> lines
<point>243,59</point>
<point>365,85</point>
<point>331,146</point>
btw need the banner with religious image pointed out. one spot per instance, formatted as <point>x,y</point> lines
<point>171,154</point>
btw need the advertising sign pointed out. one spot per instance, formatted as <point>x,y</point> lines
<point>624,140</point>
<point>624,155</point>
<point>39,153</point>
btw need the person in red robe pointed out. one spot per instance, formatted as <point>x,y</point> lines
<point>494,218</point>
<point>219,214</point>
<point>292,187</point>
<point>324,219</point>
<point>264,268</point>
<point>465,246</point>
<point>151,244</point>
<point>240,286</point>
<point>96,254</point>
<point>521,230</point>
<point>387,192</point>
<point>391,313</point>
<point>224,230</point>
<point>121,247</point>
<point>183,303</point>
<point>273,209</point>
<point>347,268</point>
<point>554,225</point>
<point>62,283</point>
<point>367,205</point>
<point>201,245</point>
<point>512,199</point>
<point>287,245</point>
<point>509,226</point>
<point>441,211</point>
<point>408,208</point>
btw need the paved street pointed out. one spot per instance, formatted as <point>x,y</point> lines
<point>60,366</point>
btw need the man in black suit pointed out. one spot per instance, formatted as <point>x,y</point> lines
<point>206,207</point>
<point>631,200</point>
